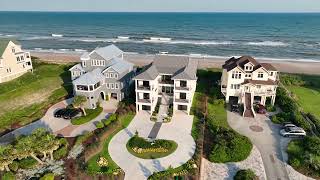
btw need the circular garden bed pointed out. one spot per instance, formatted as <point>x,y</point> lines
<point>144,149</point>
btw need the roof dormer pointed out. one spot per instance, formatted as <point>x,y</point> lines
<point>248,66</point>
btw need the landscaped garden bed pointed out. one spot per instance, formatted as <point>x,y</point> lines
<point>90,115</point>
<point>144,149</point>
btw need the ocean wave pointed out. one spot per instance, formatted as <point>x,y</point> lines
<point>267,43</point>
<point>57,35</point>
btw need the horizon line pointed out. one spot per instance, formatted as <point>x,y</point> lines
<point>248,12</point>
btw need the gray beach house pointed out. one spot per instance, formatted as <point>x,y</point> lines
<point>101,75</point>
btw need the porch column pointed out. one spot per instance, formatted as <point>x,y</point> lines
<point>273,100</point>
<point>227,99</point>
<point>263,100</point>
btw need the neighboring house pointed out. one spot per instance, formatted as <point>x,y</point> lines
<point>170,77</point>
<point>14,62</point>
<point>102,74</point>
<point>246,81</point>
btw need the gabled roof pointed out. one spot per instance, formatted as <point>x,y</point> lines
<point>77,67</point>
<point>90,78</point>
<point>4,43</point>
<point>107,52</point>
<point>240,62</point>
<point>181,67</point>
<point>119,65</point>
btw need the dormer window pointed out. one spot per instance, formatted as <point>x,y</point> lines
<point>83,63</point>
<point>260,75</point>
<point>13,50</point>
<point>248,68</point>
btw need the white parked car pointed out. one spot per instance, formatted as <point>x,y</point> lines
<point>288,125</point>
<point>292,131</point>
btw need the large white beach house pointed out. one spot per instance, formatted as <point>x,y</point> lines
<point>14,62</point>
<point>246,81</point>
<point>169,77</point>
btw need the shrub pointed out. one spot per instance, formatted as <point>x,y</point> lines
<point>271,108</point>
<point>8,176</point>
<point>27,163</point>
<point>113,117</point>
<point>14,166</point>
<point>60,153</point>
<point>82,138</point>
<point>99,125</point>
<point>48,176</point>
<point>245,174</point>
<point>232,146</point>
<point>106,122</point>
<point>294,162</point>
<point>91,114</point>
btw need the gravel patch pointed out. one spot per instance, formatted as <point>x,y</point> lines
<point>226,171</point>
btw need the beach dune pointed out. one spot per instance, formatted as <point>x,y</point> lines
<point>299,67</point>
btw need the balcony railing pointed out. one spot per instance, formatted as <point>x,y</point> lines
<point>166,81</point>
<point>144,100</point>
<point>147,88</point>
<point>182,88</point>
<point>181,100</point>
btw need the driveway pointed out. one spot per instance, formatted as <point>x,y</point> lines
<point>60,126</point>
<point>178,130</point>
<point>265,135</point>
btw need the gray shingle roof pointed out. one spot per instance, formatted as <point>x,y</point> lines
<point>77,66</point>
<point>91,77</point>
<point>181,67</point>
<point>107,52</point>
<point>119,65</point>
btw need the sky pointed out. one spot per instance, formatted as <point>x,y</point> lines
<point>162,5</point>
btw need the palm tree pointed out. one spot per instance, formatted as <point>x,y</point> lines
<point>78,102</point>
<point>7,155</point>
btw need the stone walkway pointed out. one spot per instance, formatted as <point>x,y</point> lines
<point>178,130</point>
<point>60,126</point>
<point>227,171</point>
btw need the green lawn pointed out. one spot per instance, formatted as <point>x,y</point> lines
<point>153,155</point>
<point>91,114</point>
<point>308,99</point>
<point>92,166</point>
<point>26,98</point>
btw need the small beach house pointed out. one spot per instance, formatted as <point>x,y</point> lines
<point>101,75</point>
<point>246,81</point>
<point>14,62</point>
<point>168,79</point>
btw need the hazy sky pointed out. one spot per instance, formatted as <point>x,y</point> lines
<point>163,5</point>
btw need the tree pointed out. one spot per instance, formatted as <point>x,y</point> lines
<point>79,102</point>
<point>28,146</point>
<point>7,155</point>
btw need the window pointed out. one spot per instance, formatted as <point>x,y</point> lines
<point>108,86</point>
<point>22,58</point>
<point>97,85</point>
<point>82,88</point>
<point>259,86</point>
<point>235,86</point>
<point>91,88</point>
<point>83,63</point>
<point>248,76</point>
<point>117,86</point>
<point>260,75</point>
<point>271,74</point>
<point>13,50</point>
<point>112,86</point>
<point>18,59</point>
<point>116,75</point>
<point>107,75</point>
<point>236,75</point>
<point>111,75</point>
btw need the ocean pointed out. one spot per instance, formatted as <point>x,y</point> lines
<point>276,35</point>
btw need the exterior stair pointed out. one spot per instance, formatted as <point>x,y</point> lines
<point>248,109</point>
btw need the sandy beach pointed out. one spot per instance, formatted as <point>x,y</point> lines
<point>204,62</point>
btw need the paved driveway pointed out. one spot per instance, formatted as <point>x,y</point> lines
<point>178,130</point>
<point>59,125</point>
<point>265,135</point>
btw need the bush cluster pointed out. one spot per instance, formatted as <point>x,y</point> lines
<point>245,174</point>
<point>305,154</point>
<point>140,142</point>
<point>229,146</point>
<point>290,109</point>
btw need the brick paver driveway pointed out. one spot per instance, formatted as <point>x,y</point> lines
<point>178,130</point>
<point>265,135</point>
